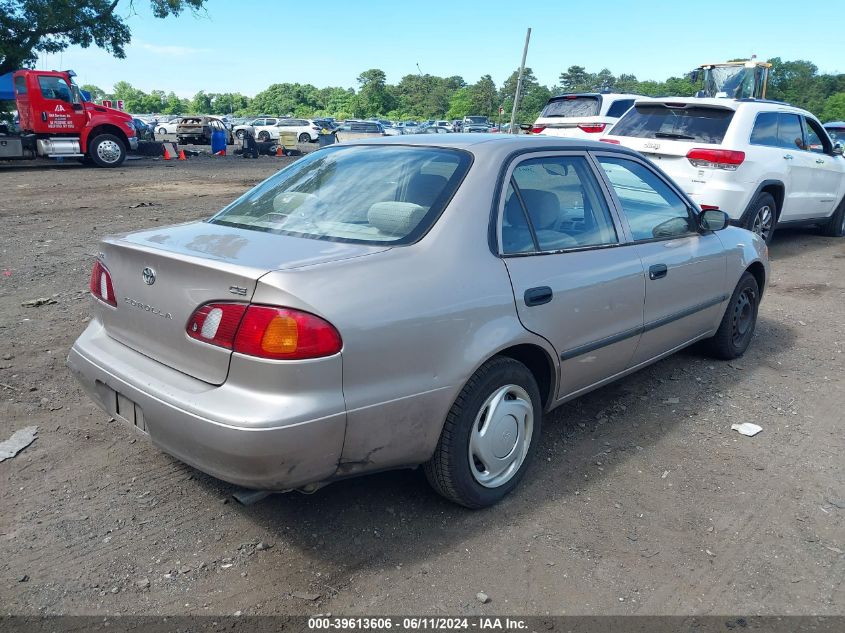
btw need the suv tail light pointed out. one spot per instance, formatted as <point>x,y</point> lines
<point>592,128</point>
<point>264,331</point>
<point>537,129</point>
<point>727,159</point>
<point>101,285</point>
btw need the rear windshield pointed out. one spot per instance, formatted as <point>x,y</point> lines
<point>691,123</point>
<point>476,119</point>
<point>362,194</point>
<point>836,134</point>
<point>571,106</point>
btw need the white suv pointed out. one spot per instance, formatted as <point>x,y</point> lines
<point>764,163</point>
<point>582,114</point>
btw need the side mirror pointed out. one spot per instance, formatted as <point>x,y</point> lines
<point>837,149</point>
<point>713,220</point>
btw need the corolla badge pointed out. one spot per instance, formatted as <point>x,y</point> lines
<point>149,276</point>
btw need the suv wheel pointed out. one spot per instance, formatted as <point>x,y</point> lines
<point>490,434</point>
<point>762,217</point>
<point>835,227</point>
<point>304,138</point>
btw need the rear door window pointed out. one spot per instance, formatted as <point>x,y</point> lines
<point>554,203</point>
<point>619,107</point>
<point>571,106</point>
<point>765,130</point>
<point>682,122</point>
<point>790,134</point>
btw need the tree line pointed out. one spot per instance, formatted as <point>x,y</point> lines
<point>429,97</point>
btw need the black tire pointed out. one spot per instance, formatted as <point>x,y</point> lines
<point>161,130</point>
<point>240,134</point>
<point>449,470</point>
<point>836,225</point>
<point>762,216</point>
<point>107,150</point>
<point>304,138</point>
<point>737,327</point>
<point>264,136</point>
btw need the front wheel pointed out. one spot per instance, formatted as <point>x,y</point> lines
<point>835,227</point>
<point>737,327</point>
<point>304,138</point>
<point>264,136</point>
<point>762,217</point>
<point>161,130</point>
<point>489,436</point>
<point>240,134</point>
<point>106,150</point>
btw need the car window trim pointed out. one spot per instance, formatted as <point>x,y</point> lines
<point>804,126</point>
<point>692,208</point>
<point>511,162</point>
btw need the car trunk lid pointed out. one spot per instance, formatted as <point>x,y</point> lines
<point>161,277</point>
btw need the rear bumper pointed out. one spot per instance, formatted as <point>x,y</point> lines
<point>250,438</point>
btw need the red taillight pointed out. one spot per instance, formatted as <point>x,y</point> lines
<point>716,158</point>
<point>612,141</point>
<point>101,285</point>
<point>709,207</point>
<point>264,331</point>
<point>216,323</point>
<point>538,129</point>
<point>592,128</point>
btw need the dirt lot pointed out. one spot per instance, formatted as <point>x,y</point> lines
<point>642,500</point>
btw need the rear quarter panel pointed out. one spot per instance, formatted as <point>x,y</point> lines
<point>416,322</point>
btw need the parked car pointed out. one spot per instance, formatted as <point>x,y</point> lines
<point>435,129</point>
<point>261,128</point>
<point>475,124</point>
<point>836,131</point>
<point>764,163</point>
<point>247,345</point>
<point>582,114</point>
<point>360,130</point>
<point>167,127</point>
<point>393,130</point>
<point>306,130</point>
<point>198,130</point>
<point>143,130</point>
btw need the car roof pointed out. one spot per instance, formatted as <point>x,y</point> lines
<point>484,143</point>
<point>731,104</point>
<point>835,124</point>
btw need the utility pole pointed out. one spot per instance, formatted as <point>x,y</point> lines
<point>519,80</point>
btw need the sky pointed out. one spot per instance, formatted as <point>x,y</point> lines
<point>246,45</point>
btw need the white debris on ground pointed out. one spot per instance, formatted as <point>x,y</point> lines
<point>747,428</point>
<point>20,440</point>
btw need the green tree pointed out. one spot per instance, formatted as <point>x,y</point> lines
<point>30,27</point>
<point>201,103</point>
<point>483,97</point>
<point>576,79</point>
<point>373,98</point>
<point>97,94</point>
<point>460,105</point>
<point>834,108</point>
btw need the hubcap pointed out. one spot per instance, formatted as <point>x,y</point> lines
<point>500,436</point>
<point>108,151</point>
<point>763,222</point>
<point>743,317</point>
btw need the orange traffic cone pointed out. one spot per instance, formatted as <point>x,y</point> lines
<point>166,153</point>
<point>182,155</point>
<point>279,151</point>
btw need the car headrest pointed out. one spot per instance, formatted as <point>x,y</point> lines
<point>543,206</point>
<point>395,218</point>
<point>423,189</point>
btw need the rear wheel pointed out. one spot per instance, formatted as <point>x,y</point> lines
<point>161,130</point>
<point>264,136</point>
<point>106,150</point>
<point>836,225</point>
<point>240,134</point>
<point>489,436</point>
<point>304,138</point>
<point>762,216</point>
<point>737,327</point>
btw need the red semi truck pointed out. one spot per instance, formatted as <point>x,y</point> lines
<point>55,122</point>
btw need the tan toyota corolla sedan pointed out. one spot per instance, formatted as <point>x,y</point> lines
<point>406,301</point>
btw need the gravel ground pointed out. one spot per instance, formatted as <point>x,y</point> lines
<point>642,500</point>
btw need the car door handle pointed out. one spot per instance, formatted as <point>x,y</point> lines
<point>658,271</point>
<point>538,296</point>
<point>788,156</point>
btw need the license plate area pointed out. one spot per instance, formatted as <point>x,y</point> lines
<point>127,411</point>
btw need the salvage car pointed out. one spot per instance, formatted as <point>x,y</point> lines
<point>408,301</point>
<point>198,130</point>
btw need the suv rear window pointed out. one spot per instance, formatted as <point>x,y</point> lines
<point>572,106</point>
<point>357,193</point>
<point>684,123</point>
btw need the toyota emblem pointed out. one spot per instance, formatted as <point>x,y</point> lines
<point>149,276</point>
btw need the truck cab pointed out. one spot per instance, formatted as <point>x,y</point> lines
<point>56,122</point>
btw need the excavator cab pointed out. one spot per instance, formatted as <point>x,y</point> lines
<point>733,80</point>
